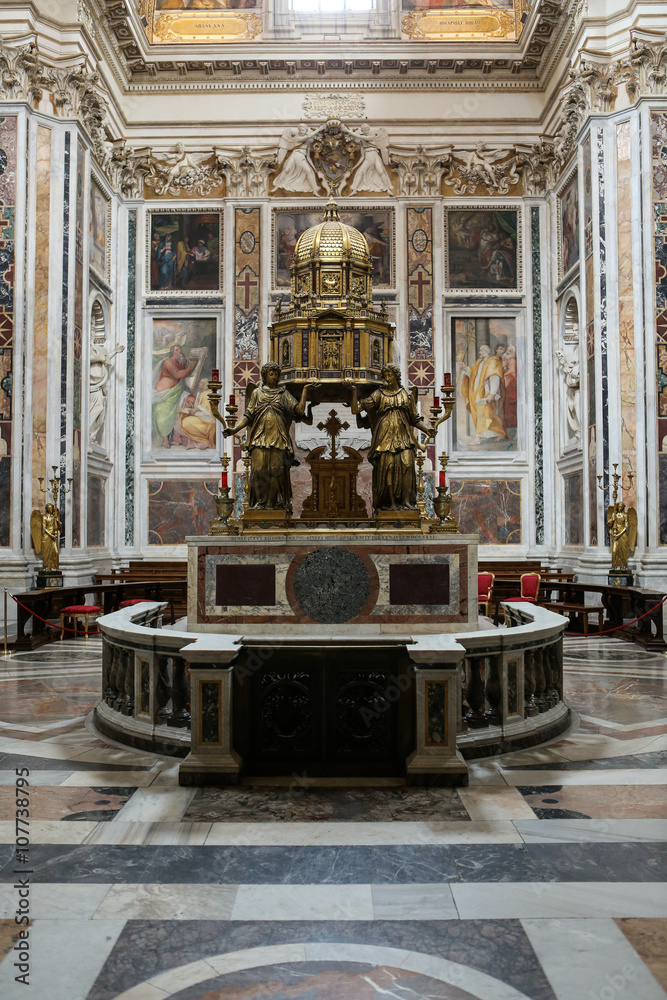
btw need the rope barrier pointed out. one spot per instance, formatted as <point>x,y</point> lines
<point>60,628</point>
<point>594,635</point>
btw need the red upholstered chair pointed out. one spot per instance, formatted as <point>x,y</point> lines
<point>135,600</point>
<point>76,611</point>
<point>484,590</point>
<point>530,588</point>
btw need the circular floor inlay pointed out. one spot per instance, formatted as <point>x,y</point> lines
<point>325,980</point>
<point>332,585</point>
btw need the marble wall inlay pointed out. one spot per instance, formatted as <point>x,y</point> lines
<point>659,123</point>
<point>8,137</point>
<point>40,345</point>
<point>536,279</point>
<point>626,305</point>
<point>129,373</point>
<point>64,323</point>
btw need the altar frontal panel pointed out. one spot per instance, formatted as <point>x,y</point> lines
<point>391,587</point>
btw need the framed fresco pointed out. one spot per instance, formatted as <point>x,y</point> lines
<point>183,252</point>
<point>568,225</point>
<point>99,224</point>
<point>484,352</point>
<point>178,508</point>
<point>483,250</point>
<point>376,223</point>
<point>183,355</point>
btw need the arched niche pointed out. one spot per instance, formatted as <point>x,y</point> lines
<point>568,362</point>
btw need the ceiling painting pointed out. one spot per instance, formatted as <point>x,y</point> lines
<point>193,21</point>
<point>463,19</point>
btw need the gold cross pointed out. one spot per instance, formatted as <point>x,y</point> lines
<point>333,427</point>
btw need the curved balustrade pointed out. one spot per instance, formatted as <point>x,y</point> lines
<point>504,686</point>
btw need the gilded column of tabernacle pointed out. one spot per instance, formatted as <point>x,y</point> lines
<point>421,365</point>
<point>247,301</point>
<point>8,138</point>
<point>41,310</point>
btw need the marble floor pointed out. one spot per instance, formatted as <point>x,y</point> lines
<point>543,880</point>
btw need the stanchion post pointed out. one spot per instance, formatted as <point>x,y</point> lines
<point>5,621</point>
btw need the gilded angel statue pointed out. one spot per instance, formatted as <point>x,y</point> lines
<point>622,525</point>
<point>45,531</point>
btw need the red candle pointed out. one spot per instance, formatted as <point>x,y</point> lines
<point>232,399</point>
<point>442,478</point>
<point>448,378</point>
<point>224,479</point>
<point>436,402</point>
<point>215,375</point>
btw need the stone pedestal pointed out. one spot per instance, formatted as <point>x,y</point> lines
<point>212,760</point>
<point>365,582</point>
<point>435,760</point>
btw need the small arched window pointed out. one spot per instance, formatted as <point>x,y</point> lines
<point>571,322</point>
<point>331,6</point>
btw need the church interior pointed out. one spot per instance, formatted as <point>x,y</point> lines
<point>333,499</point>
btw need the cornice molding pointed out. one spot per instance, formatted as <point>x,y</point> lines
<point>483,169</point>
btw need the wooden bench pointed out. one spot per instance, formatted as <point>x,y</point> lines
<point>582,611</point>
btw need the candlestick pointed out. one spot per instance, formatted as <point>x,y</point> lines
<point>224,480</point>
<point>436,402</point>
<point>448,378</point>
<point>215,375</point>
<point>232,399</point>
<point>441,480</point>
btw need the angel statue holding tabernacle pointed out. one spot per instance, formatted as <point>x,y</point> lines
<point>270,410</point>
<point>622,526</point>
<point>391,412</point>
<point>45,531</point>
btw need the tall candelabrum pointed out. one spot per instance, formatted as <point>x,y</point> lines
<point>224,502</point>
<point>54,486</point>
<point>622,527</point>
<point>442,501</point>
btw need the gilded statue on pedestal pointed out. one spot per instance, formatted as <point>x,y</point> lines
<point>269,413</point>
<point>622,526</point>
<point>45,532</point>
<point>392,413</point>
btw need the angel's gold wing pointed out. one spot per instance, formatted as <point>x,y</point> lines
<point>611,511</point>
<point>632,528</point>
<point>249,389</point>
<point>36,530</point>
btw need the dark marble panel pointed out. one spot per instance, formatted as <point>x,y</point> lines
<point>94,863</point>
<point>210,711</point>
<point>494,863</point>
<point>245,584</point>
<point>436,713</point>
<point>96,510</point>
<point>299,803</point>
<point>499,948</point>
<point>10,761</point>
<point>407,864</point>
<point>419,583</point>
<point>600,862</point>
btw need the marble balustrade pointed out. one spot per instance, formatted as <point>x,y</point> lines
<point>508,682</point>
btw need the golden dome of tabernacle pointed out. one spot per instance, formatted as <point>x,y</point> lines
<point>331,331</point>
<point>331,241</point>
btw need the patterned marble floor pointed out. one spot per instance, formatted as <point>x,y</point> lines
<point>543,880</point>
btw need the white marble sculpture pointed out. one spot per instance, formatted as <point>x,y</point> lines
<point>571,372</point>
<point>297,172</point>
<point>371,173</point>
<point>100,370</point>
